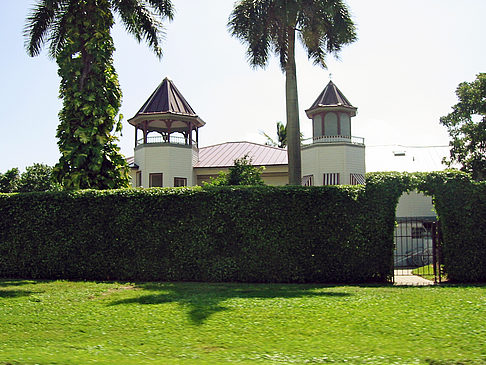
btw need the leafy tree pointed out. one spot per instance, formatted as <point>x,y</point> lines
<point>467,127</point>
<point>9,181</point>
<point>242,173</point>
<point>79,37</point>
<point>37,177</point>
<point>323,26</point>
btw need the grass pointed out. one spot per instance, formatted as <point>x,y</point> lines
<point>61,322</point>
<point>427,272</point>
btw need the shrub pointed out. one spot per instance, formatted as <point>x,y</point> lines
<point>246,234</point>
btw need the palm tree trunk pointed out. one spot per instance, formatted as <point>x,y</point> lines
<point>293,127</point>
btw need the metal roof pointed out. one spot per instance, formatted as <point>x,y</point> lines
<point>224,154</point>
<point>331,96</point>
<point>166,99</point>
<point>165,106</point>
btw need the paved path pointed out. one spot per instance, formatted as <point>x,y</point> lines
<point>405,277</point>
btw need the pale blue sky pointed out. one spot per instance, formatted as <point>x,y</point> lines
<point>401,74</point>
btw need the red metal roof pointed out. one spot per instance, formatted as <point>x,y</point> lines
<point>224,154</point>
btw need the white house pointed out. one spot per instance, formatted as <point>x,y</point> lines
<point>167,149</point>
<point>168,154</point>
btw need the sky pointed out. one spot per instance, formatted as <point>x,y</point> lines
<point>401,74</point>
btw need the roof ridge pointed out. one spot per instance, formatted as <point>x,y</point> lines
<point>254,143</point>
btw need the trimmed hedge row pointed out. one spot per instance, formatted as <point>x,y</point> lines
<point>460,203</point>
<point>242,234</point>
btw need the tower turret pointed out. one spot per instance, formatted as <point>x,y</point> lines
<point>164,156</point>
<point>333,156</point>
<point>331,115</point>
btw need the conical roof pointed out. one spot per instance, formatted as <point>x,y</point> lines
<point>166,103</point>
<point>167,98</point>
<point>331,96</point>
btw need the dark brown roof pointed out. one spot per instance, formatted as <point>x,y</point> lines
<point>166,104</point>
<point>166,98</point>
<point>331,96</point>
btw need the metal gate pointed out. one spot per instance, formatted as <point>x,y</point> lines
<point>417,247</point>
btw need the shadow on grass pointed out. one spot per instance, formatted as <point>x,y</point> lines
<point>15,282</point>
<point>203,299</point>
<point>7,293</point>
<point>15,293</point>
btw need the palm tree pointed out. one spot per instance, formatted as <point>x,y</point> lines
<point>281,141</point>
<point>78,33</point>
<point>323,26</point>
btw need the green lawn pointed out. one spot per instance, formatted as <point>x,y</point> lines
<point>195,323</point>
<point>427,272</point>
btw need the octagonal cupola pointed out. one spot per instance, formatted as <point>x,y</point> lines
<point>167,113</point>
<point>331,115</point>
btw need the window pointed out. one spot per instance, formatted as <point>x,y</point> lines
<point>331,124</point>
<point>308,180</point>
<point>180,181</point>
<point>345,125</point>
<point>138,179</point>
<point>155,180</point>
<point>331,178</point>
<point>317,125</point>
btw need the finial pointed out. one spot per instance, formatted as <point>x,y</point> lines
<point>330,76</point>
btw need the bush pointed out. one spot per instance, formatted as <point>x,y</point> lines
<point>461,207</point>
<point>245,234</point>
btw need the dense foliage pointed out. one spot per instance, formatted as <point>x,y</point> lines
<point>241,173</point>
<point>272,26</point>
<point>461,207</point>
<point>91,98</point>
<point>246,234</point>
<point>78,33</point>
<point>466,125</point>
<point>37,177</point>
<point>9,180</point>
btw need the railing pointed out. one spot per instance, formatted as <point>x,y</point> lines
<point>163,139</point>
<point>334,139</point>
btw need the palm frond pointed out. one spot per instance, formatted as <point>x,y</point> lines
<point>249,23</point>
<point>143,19</point>
<point>325,26</point>
<point>39,23</point>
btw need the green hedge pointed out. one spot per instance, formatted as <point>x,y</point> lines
<point>244,234</point>
<point>460,203</point>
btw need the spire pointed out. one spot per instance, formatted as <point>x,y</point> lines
<point>330,97</point>
<point>167,99</point>
<point>166,104</point>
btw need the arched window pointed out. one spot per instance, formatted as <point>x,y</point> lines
<point>330,124</point>
<point>345,125</point>
<point>317,121</point>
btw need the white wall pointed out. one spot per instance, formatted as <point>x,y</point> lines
<point>320,158</point>
<point>169,159</point>
<point>415,205</point>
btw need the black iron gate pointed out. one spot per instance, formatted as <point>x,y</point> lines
<point>417,248</point>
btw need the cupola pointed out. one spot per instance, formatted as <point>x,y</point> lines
<point>166,112</point>
<point>331,115</point>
